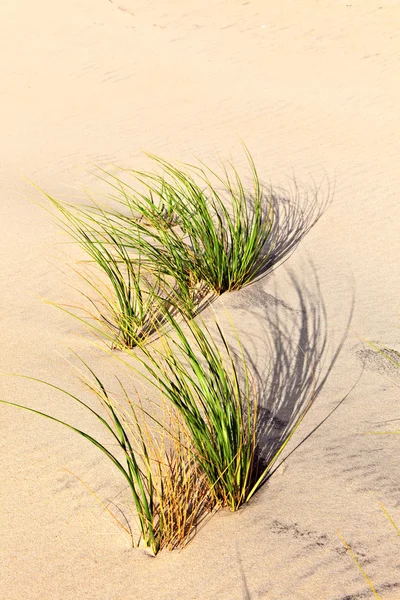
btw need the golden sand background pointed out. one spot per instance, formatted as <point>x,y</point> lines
<point>312,87</point>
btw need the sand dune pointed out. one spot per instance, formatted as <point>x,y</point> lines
<point>312,88</point>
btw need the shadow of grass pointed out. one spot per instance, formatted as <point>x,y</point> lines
<point>295,347</point>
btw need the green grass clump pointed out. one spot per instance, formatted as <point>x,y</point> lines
<point>129,305</point>
<point>208,226</point>
<point>169,493</point>
<point>175,237</point>
<point>217,398</point>
<point>207,454</point>
<point>160,246</point>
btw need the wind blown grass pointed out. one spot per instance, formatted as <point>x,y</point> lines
<point>209,225</point>
<point>185,231</point>
<point>169,493</point>
<point>207,453</point>
<point>217,397</point>
<point>130,306</point>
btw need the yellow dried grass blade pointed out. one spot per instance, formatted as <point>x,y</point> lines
<point>390,519</point>
<point>354,557</point>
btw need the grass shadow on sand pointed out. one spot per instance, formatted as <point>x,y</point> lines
<point>291,357</point>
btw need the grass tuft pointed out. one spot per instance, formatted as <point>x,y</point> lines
<point>208,226</point>
<point>169,493</point>
<point>129,304</point>
<point>213,390</point>
<point>164,243</point>
<point>176,236</point>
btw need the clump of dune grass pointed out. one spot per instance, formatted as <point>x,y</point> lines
<point>169,493</point>
<point>212,388</point>
<point>207,226</point>
<point>207,453</point>
<point>129,304</point>
<point>194,230</point>
<point>142,280</point>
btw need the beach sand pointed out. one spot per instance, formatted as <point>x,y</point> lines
<point>312,89</point>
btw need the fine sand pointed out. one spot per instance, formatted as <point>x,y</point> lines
<point>312,88</point>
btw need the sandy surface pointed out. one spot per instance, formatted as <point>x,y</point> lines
<point>312,88</point>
